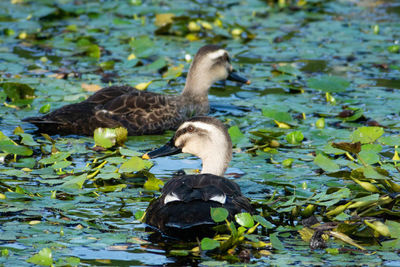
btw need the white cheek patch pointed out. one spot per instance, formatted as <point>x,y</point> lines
<point>219,198</point>
<point>216,54</point>
<point>170,198</point>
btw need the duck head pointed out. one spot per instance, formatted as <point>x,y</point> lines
<point>204,137</point>
<point>210,64</point>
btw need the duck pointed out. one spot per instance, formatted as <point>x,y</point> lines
<point>183,208</point>
<point>143,112</point>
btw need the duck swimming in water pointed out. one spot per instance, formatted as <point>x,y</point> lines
<point>183,209</point>
<point>142,112</point>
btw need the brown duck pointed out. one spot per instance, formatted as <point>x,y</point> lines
<point>183,209</point>
<point>142,112</point>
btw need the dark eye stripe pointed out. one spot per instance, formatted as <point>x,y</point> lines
<point>189,129</point>
<point>223,58</point>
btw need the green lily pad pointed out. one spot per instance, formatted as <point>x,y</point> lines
<point>27,139</point>
<point>56,157</point>
<point>153,183</point>
<point>135,164</point>
<point>280,116</point>
<point>244,219</point>
<point>366,134</point>
<point>45,108</point>
<point>326,163</point>
<point>237,137</point>
<point>326,83</point>
<point>107,137</point>
<point>12,148</point>
<point>219,214</point>
<point>294,137</point>
<point>266,224</point>
<point>209,244</point>
<point>44,258</point>
<point>276,243</point>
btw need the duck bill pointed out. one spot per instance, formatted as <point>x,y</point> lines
<point>166,150</point>
<point>233,76</point>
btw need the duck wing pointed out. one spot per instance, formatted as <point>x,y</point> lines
<point>142,112</point>
<point>186,201</point>
<point>75,118</point>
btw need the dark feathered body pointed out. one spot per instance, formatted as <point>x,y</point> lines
<point>140,112</point>
<point>191,215</point>
<point>143,112</point>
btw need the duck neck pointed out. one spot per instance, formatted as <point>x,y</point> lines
<point>197,84</point>
<point>215,163</point>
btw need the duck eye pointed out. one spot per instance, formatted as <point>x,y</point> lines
<point>190,128</point>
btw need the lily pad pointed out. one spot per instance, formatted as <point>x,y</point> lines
<point>219,214</point>
<point>366,134</point>
<point>209,244</point>
<point>326,163</point>
<point>244,219</point>
<point>44,258</point>
<point>327,83</point>
<point>135,164</point>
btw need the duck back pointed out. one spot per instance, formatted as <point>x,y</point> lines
<point>183,210</point>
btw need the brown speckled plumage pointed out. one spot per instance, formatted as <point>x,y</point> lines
<point>141,112</point>
<point>138,111</point>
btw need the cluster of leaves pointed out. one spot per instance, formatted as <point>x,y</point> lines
<point>238,237</point>
<point>54,47</point>
<point>233,237</point>
<point>366,208</point>
<point>193,29</point>
<point>52,162</point>
<point>45,258</point>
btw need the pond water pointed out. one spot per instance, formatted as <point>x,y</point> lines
<point>287,50</point>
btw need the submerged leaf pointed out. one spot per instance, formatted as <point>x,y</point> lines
<point>276,243</point>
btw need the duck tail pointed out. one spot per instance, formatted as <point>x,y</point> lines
<point>40,120</point>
